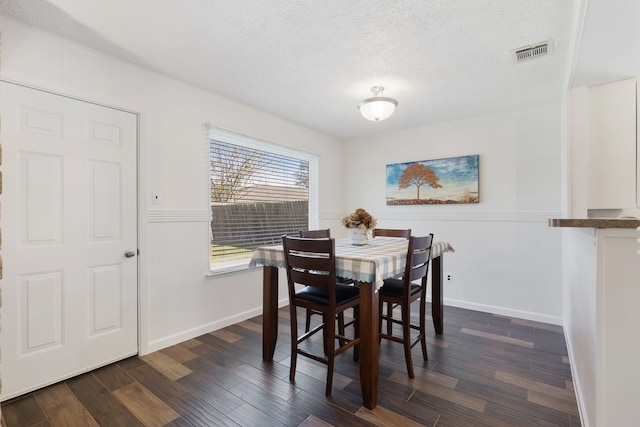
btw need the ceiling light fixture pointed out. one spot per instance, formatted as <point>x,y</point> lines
<point>377,107</point>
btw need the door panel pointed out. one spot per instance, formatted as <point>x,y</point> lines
<point>40,309</point>
<point>106,291</point>
<point>68,214</point>
<point>43,210</point>
<point>104,192</point>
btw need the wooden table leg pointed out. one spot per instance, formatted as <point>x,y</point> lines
<point>437,311</point>
<point>369,345</point>
<point>269,311</point>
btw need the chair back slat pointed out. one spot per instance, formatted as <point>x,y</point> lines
<point>318,246</point>
<point>310,279</point>
<point>418,272</point>
<point>421,256</point>
<point>315,234</point>
<point>303,261</point>
<point>391,232</point>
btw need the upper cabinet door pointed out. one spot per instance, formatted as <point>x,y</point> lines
<point>612,138</point>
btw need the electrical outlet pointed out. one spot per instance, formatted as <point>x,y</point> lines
<point>449,278</point>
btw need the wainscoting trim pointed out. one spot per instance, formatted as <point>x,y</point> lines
<point>455,216</point>
<point>178,216</point>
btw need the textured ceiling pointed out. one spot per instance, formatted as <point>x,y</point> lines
<point>312,61</point>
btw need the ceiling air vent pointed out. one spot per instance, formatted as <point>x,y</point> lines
<point>531,52</point>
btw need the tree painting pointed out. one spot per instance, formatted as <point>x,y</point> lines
<point>418,174</point>
<point>452,180</point>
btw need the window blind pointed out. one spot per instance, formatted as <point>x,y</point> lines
<point>256,197</point>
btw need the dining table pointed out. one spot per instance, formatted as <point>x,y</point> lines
<point>368,265</point>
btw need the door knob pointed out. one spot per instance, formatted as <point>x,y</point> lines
<point>129,253</point>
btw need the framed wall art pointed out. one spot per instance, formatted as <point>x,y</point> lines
<point>453,180</point>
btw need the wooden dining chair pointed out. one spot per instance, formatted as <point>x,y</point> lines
<point>402,292</point>
<point>319,234</point>
<point>312,263</point>
<point>391,232</point>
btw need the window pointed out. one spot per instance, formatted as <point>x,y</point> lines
<point>259,192</point>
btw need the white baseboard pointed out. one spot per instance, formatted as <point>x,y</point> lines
<point>231,320</point>
<point>206,328</point>
<point>520,314</point>
<point>582,411</point>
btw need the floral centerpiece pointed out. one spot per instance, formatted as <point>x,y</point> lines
<point>358,224</point>
<point>360,219</point>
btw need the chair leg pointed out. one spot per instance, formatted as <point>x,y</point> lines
<point>307,323</point>
<point>356,333</point>
<point>294,341</point>
<point>389,316</point>
<point>325,338</point>
<point>330,328</point>
<point>341,328</point>
<point>380,321</point>
<point>406,338</point>
<point>423,328</point>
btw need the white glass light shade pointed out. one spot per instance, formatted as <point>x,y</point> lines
<point>378,107</point>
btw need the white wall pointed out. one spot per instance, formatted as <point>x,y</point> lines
<point>178,300</point>
<point>507,259</point>
<point>580,315</point>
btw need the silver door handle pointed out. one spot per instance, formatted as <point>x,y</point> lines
<point>129,253</point>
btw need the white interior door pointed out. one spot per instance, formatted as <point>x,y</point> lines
<point>68,217</point>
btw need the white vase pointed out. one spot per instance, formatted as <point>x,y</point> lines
<point>358,236</point>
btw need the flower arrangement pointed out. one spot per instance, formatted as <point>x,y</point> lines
<point>360,219</point>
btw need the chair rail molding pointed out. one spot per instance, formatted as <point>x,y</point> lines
<point>477,216</point>
<point>165,215</point>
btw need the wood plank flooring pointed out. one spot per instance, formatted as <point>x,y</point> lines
<point>486,370</point>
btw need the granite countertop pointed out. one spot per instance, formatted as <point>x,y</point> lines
<point>595,222</point>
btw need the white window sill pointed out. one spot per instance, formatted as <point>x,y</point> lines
<point>229,267</point>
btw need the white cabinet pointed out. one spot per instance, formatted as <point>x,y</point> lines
<point>613,146</point>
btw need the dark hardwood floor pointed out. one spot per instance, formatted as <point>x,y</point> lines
<point>486,370</point>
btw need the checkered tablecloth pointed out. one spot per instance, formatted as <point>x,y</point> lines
<point>381,258</point>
